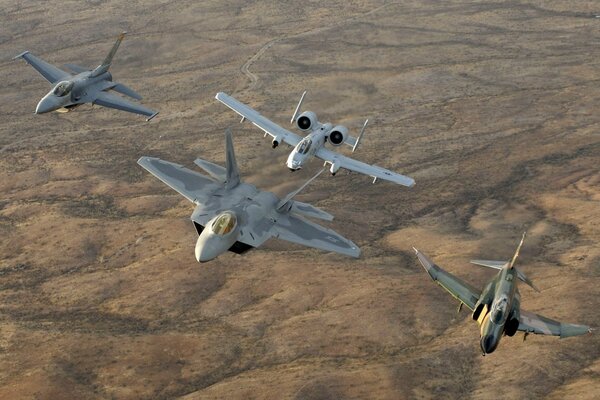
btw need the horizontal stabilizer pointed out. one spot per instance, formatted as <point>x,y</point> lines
<point>308,210</point>
<point>500,265</point>
<point>291,195</point>
<point>490,263</point>
<point>77,68</point>
<point>119,87</point>
<point>216,171</point>
<point>525,279</point>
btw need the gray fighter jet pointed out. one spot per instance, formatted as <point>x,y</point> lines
<point>497,308</point>
<point>235,216</point>
<point>70,90</point>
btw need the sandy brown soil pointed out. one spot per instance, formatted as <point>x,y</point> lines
<point>491,106</point>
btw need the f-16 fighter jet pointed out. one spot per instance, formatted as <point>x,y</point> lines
<point>235,216</point>
<point>313,145</point>
<point>84,86</point>
<point>497,308</point>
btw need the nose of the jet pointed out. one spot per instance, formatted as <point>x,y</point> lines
<point>488,344</point>
<point>45,105</point>
<point>203,253</point>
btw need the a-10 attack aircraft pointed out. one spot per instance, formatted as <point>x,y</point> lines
<point>235,216</point>
<point>313,145</point>
<point>497,308</point>
<point>84,86</point>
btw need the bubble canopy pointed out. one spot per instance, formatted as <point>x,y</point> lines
<point>224,223</point>
<point>63,88</point>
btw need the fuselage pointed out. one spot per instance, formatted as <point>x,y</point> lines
<point>69,93</point>
<point>500,300</point>
<point>245,213</point>
<point>308,146</point>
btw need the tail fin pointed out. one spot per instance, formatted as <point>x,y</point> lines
<point>514,259</point>
<point>291,195</point>
<point>233,174</point>
<point>102,68</point>
<point>362,131</point>
<point>297,110</point>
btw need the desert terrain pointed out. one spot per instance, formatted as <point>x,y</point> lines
<point>492,107</point>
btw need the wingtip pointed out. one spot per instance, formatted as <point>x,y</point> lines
<point>152,116</point>
<point>416,250</point>
<point>20,55</point>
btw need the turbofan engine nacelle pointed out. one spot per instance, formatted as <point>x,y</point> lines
<point>276,141</point>
<point>338,135</point>
<point>306,120</point>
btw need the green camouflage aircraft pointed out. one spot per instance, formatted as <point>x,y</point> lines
<point>497,308</point>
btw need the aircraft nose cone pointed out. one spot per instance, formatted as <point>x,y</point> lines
<point>203,253</point>
<point>488,344</point>
<point>45,105</point>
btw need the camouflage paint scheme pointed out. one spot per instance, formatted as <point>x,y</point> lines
<point>84,86</point>
<point>497,308</point>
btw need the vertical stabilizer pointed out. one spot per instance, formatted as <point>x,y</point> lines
<point>291,195</point>
<point>514,259</point>
<point>102,68</point>
<point>233,174</point>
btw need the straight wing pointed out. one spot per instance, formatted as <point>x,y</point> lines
<point>192,185</point>
<point>298,230</point>
<point>48,71</point>
<point>342,161</point>
<point>106,99</point>
<point>534,323</point>
<point>257,119</point>
<point>459,289</point>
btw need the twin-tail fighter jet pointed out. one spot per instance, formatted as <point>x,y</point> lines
<point>313,145</point>
<point>70,90</point>
<point>236,216</point>
<point>497,308</point>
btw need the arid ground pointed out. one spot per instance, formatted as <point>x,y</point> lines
<point>492,107</point>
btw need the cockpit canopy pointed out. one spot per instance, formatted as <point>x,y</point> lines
<point>304,146</point>
<point>499,312</point>
<point>63,88</point>
<point>224,223</point>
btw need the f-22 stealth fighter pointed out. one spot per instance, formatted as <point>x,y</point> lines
<point>84,86</point>
<point>497,308</point>
<point>236,216</point>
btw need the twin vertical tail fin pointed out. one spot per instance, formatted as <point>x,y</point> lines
<point>233,173</point>
<point>281,205</point>
<point>297,110</point>
<point>102,68</point>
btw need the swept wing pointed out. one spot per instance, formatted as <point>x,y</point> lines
<point>298,230</point>
<point>534,323</point>
<point>257,119</point>
<point>461,290</point>
<point>192,185</point>
<point>110,100</point>
<point>48,71</point>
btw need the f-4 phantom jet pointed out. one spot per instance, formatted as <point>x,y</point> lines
<point>70,90</point>
<point>313,145</point>
<point>235,216</point>
<point>497,308</point>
